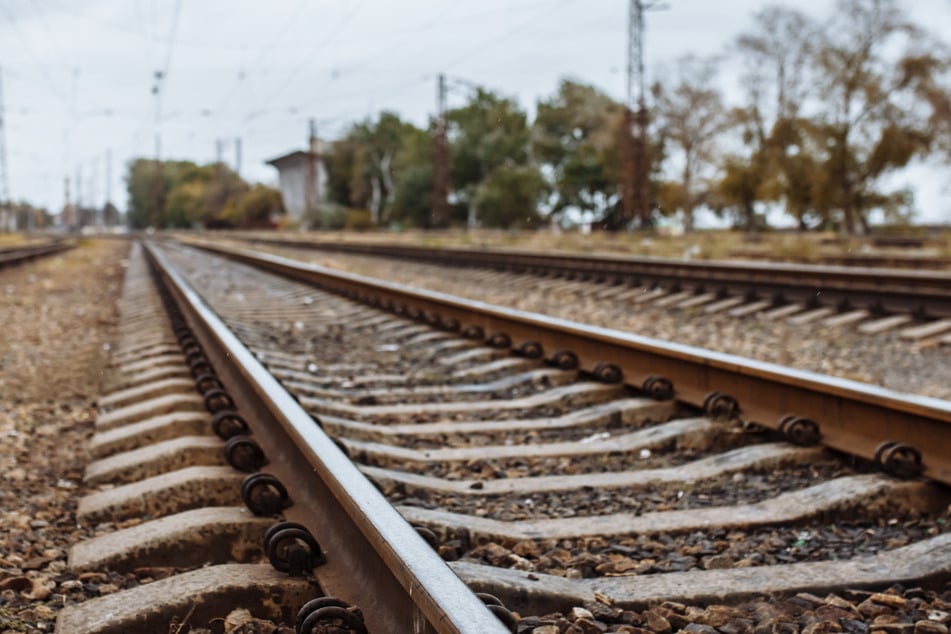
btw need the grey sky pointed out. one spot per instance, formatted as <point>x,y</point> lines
<point>78,75</point>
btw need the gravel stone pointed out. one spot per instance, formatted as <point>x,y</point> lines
<point>58,316</point>
<point>885,359</point>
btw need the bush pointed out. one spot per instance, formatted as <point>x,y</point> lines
<point>358,220</point>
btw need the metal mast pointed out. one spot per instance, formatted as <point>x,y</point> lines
<point>312,193</point>
<point>635,198</point>
<point>4,173</point>
<point>439,204</point>
<point>158,185</point>
<point>109,220</point>
<point>237,155</point>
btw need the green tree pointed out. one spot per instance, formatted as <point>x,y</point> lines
<point>340,166</point>
<point>508,197</point>
<point>576,136</point>
<point>146,188</point>
<point>181,194</point>
<point>491,134</point>
<point>185,205</point>
<point>413,179</point>
<point>255,209</point>
<point>366,168</point>
<point>149,185</point>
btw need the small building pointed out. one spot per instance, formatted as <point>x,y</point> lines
<point>302,179</point>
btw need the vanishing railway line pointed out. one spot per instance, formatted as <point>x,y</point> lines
<point>576,474</point>
<point>13,256</point>
<point>838,294</point>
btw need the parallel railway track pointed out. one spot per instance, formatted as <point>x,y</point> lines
<point>923,294</point>
<point>13,256</point>
<point>577,474</point>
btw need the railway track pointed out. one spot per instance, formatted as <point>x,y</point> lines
<point>875,299</point>
<point>13,256</point>
<point>582,477</point>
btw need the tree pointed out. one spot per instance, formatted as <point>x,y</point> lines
<point>413,179</point>
<point>201,195</point>
<point>185,204</point>
<point>256,209</point>
<point>693,117</point>
<point>340,165</point>
<point>508,197</point>
<point>144,183</point>
<point>378,142</point>
<point>366,167</point>
<point>576,136</point>
<point>181,194</point>
<point>877,75</point>
<point>777,159</point>
<point>740,188</point>
<point>776,55</point>
<point>490,134</point>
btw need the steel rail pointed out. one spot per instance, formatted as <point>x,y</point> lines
<point>922,293</point>
<point>18,255</point>
<point>851,417</point>
<point>375,560</point>
<point>853,261</point>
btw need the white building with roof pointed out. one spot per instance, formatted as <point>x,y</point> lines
<point>302,179</point>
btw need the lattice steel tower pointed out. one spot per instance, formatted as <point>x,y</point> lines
<point>439,203</point>
<point>635,184</point>
<point>4,171</point>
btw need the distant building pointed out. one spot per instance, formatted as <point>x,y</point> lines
<point>303,182</point>
<point>8,218</point>
<point>69,217</point>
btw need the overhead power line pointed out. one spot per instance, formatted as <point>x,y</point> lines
<point>306,58</point>
<point>265,51</point>
<point>40,67</point>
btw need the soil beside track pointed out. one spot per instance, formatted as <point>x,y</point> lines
<point>57,315</point>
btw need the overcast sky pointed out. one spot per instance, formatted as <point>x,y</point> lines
<point>78,75</point>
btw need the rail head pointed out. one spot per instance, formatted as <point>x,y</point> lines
<point>410,588</point>
<point>849,416</point>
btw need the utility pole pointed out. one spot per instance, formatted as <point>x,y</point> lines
<point>220,161</point>
<point>94,193</point>
<point>108,203</point>
<point>64,219</point>
<point>4,173</point>
<point>635,194</point>
<point>79,195</point>
<point>158,184</point>
<point>439,204</point>
<point>312,192</point>
<point>237,156</point>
